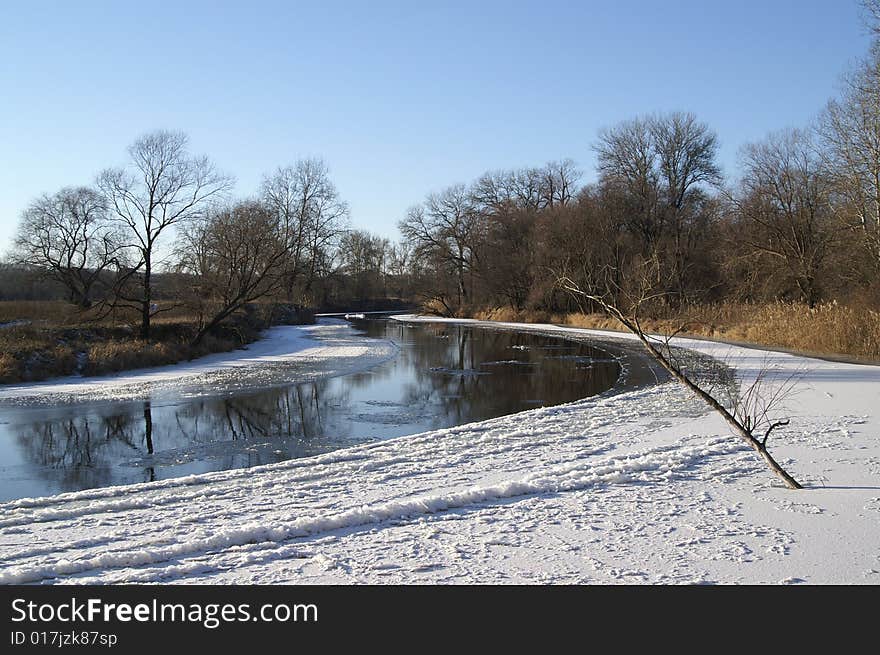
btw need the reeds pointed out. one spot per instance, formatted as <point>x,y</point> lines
<point>826,329</point>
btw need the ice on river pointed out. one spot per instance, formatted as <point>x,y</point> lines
<point>284,355</point>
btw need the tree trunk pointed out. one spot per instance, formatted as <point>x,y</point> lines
<point>756,445</point>
<point>207,328</point>
<point>462,288</point>
<point>148,298</point>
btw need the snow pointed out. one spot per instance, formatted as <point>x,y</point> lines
<point>11,324</point>
<point>641,486</point>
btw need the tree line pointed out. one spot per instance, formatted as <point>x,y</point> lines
<point>801,224</point>
<point>168,214</point>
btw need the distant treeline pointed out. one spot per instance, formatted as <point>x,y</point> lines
<point>801,224</point>
<point>19,283</point>
<point>161,233</point>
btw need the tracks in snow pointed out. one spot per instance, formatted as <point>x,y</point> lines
<point>174,528</point>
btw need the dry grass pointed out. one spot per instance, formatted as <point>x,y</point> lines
<point>828,329</point>
<point>8,367</point>
<point>113,356</point>
<point>37,352</point>
<point>62,313</point>
<point>37,310</point>
<point>31,353</point>
<point>173,346</point>
<point>55,339</point>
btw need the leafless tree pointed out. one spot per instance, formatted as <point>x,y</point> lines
<point>67,237</point>
<point>850,128</point>
<point>871,15</point>
<point>757,405</point>
<point>365,261</point>
<point>686,151</point>
<point>785,207</point>
<point>747,415</point>
<point>308,208</point>
<point>236,255</point>
<point>163,185</point>
<point>446,229</point>
<point>557,183</point>
<point>659,168</point>
<point>506,254</point>
<point>628,169</point>
<point>498,191</point>
<point>401,270</point>
<point>553,185</point>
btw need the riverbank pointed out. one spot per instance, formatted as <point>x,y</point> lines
<point>261,364</point>
<point>827,330</point>
<point>45,340</point>
<point>643,486</point>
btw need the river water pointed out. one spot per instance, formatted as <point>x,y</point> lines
<point>443,375</point>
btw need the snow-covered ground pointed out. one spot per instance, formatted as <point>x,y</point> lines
<point>640,486</point>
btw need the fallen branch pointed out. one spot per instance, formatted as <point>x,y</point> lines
<point>745,431</point>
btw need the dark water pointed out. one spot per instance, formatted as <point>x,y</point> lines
<point>443,375</point>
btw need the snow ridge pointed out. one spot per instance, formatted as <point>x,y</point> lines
<point>664,463</point>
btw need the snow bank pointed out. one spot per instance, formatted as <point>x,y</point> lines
<point>662,463</point>
<point>330,340</point>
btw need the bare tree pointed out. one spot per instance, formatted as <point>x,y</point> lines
<point>746,416</point>
<point>627,162</point>
<point>659,169</point>
<point>871,15</point>
<point>785,207</point>
<point>686,151</point>
<point>66,236</point>
<point>497,191</point>
<point>553,185</point>
<point>308,208</point>
<point>237,256</point>
<point>506,254</point>
<point>850,128</point>
<point>446,229</point>
<point>400,269</point>
<point>365,261</point>
<point>162,186</point>
<point>557,183</point>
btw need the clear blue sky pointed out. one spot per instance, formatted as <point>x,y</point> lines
<point>400,98</point>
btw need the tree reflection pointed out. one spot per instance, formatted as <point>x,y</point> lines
<point>293,412</point>
<point>84,450</point>
<point>490,373</point>
<point>148,427</point>
<point>80,452</point>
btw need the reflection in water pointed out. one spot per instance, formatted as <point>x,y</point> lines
<point>444,375</point>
